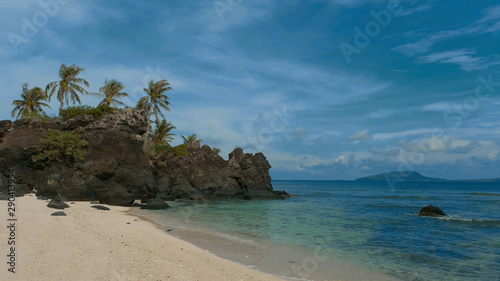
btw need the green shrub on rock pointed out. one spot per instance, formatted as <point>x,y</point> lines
<point>180,150</point>
<point>96,112</point>
<point>60,144</point>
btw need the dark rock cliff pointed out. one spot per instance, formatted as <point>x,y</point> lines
<point>116,171</point>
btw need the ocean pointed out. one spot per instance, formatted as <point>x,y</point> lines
<point>351,230</point>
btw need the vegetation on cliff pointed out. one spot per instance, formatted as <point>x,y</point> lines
<point>96,112</point>
<point>60,145</point>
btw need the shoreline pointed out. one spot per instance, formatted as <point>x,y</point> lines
<point>90,244</point>
<point>284,261</point>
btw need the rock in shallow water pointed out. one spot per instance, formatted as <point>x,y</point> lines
<point>156,204</point>
<point>431,211</point>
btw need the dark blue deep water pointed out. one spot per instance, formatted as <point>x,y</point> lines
<point>373,225</point>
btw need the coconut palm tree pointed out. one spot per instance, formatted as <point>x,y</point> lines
<point>161,134</point>
<point>155,100</point>
<point>31,103</point>
<point>111,90</point>
<point>190,139</point>
<point>68,87</point>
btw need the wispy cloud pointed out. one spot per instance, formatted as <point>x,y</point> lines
<point>386,136</point>
<point>422,7</point>
<point>465,58</point>
<point>486,24</point>
<point>435,144</point>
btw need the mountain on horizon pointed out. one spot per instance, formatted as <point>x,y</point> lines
<point>399,176</point>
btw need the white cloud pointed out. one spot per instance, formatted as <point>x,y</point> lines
<point>341,160</point>
<point>434,144</point>
<point>385,136</point>
<point>439,106</point>
<point>360,136</point>
<point>492,155</point>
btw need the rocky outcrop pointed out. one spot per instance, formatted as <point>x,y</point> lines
<point>205,175</point>
<point>116,171</point>
<point>431,211</point>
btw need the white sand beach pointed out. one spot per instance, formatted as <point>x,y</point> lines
<point>90,244</point>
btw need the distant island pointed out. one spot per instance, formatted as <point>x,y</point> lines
<point>413,176</point>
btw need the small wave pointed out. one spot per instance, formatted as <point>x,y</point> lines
<point>232,237</point>
<point>400,197</point>
<point>462,219</point>
<point>485,194</point>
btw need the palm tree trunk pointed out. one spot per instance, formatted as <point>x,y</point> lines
<point>61,108</point>
<point>147,130</point>
<point>157,119</point>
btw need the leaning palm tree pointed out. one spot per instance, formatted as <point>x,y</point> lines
<point>161,134</point>
<point>111,90</point>
<point>155,100</point>
<point>190,139</point>
<point>31,103</point>
<point>68,87</point>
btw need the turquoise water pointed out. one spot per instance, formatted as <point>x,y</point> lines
<point>369,225</point>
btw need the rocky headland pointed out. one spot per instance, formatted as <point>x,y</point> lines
<point>115,170</point>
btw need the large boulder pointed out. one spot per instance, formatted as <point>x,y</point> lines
<point>431,211</point>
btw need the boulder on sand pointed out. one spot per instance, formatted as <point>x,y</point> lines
<point>57,203</point>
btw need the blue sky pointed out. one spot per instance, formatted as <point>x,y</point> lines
<point>326,89</point>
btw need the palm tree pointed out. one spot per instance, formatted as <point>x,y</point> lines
<point>111,91</point>
<point>190,139</point>
<point>68,87</point>
<point>161,134</point>
<point>155,100</point>
<point>31,103</point>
